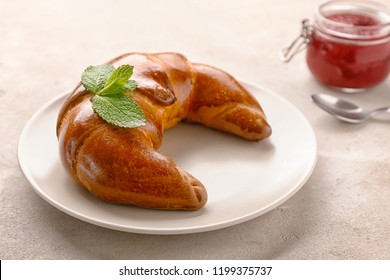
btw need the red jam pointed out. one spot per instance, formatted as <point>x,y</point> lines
<point>353,19</point>
<point>349,52</point>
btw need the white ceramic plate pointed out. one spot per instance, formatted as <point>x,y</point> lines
<point>244,179</point>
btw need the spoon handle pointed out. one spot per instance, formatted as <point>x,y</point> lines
<point>381,111</point>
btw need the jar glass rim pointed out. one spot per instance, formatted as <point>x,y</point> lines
<point>372,9</point>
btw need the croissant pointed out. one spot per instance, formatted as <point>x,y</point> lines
<point>122,165</point>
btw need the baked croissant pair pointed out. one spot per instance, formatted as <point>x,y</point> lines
<point>123,165</point>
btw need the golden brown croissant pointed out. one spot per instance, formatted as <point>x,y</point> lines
<point>122,165</point>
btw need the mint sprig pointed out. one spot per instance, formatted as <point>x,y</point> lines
<point>109,86</point>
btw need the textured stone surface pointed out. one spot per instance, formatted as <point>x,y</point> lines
<point>342,212</point>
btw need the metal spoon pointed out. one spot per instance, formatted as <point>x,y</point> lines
<point>345,110</point>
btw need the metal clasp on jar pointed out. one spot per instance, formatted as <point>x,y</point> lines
<point>300,43</point>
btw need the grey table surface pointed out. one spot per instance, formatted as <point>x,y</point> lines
<point>342,212</point>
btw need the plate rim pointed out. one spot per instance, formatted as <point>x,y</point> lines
<point>309,168</point>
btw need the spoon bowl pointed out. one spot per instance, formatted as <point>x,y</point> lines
<point>345,110</point>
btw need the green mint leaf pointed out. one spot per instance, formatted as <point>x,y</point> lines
<point>118,81</point>
<point>130,85</point>
<point>109,86</point>
<point>94,77</point>
<point>119,110</point>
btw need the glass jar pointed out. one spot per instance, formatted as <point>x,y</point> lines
<point>348,45</point>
